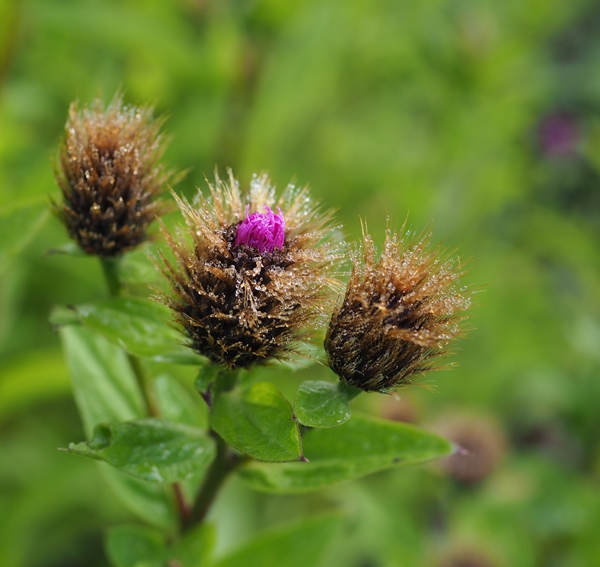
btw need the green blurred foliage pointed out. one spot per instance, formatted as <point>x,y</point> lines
<point>442,110</point>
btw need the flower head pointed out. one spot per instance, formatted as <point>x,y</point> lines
<point>481,446</point>
<point>398,315</point>
<point>110,176</point>
<point>254,283</point>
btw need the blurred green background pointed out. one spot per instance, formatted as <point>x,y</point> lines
<point>481,116</point>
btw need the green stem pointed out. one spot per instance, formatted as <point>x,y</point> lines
<point>182,505</point>
<point>111,275</point>
<point>224,463</point>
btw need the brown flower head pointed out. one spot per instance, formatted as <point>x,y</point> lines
<point>466,558</point>
<point>398,315</point>
<point>110,176</point>
<point>255,282</point>
<point>481,446</point>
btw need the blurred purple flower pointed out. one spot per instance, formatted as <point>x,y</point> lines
<point>263,231</point>
<point>559,134</point>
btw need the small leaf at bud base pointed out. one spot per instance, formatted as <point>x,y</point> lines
<point>323,404</point>
<point>258,421</point>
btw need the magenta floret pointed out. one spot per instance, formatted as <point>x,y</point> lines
<point>263,231</point>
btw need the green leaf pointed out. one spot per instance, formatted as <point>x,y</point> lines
<point>176,403</point>
<point>150,449</point>
<point>195,549</point>
<point>68,249</point>
<point>361,446</point>
<point>136,268</point>
<point>147,500</point>
<point>18,225</point>
<point>104,385</point>
<point>140,326</point>
<point>207,377</point>
<point>299,546</point>
<point>323,404</point>
<point>62,315</point>
<point>106,389</point>
<point>257,420</point>
<point>135,546</point>
<point>213,380</point>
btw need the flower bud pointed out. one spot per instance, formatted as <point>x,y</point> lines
<point>398,315</point>
<point>254,283</point>
<point>110,177</point>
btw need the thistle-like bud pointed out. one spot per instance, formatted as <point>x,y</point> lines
<point>255,283</point>
<point>110,176</point>
<point>398,315</point>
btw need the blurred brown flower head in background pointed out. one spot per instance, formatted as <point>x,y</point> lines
<point>466,558</point>
<point>481,447</point>
<point>110,176</point>
<point>255,283</point>
<point>398,315</point>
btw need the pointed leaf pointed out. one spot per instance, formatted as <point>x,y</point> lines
<point>360,446</point>
<point>150,449</point>
<point>322,404</point>
<point>141,326</point>
<point>301,545</point>
<point>257,420</point>
<point>105,389</point>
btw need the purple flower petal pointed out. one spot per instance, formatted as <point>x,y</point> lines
<point>263,231</point>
